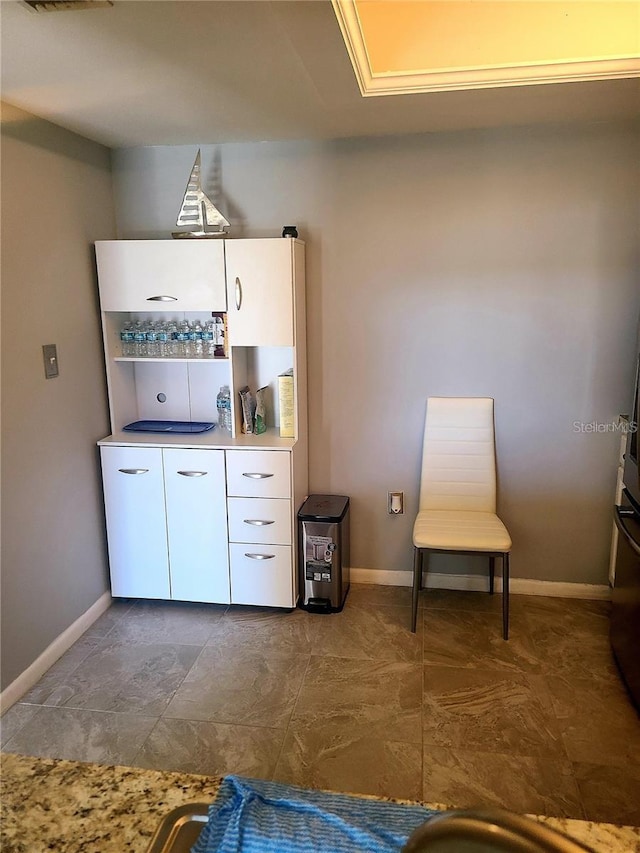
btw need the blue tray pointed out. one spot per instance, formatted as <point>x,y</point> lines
<point>184,427</point>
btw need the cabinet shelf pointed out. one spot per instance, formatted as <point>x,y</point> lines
<point>147,359</point>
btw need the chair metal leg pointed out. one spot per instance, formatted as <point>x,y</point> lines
<point>492,571</point>
<point>417,583</point>
<point>505,596</point>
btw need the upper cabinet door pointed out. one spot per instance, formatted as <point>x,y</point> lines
<point>161,275</point>
<point>260,292</point>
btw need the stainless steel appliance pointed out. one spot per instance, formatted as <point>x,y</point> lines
<point>625,599</point>
<point>632,456</point>
<point>323,552</point>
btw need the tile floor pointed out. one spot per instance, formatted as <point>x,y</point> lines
<point>354,701</point>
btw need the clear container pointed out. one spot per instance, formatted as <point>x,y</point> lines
<point>173,346</point>
<point>208,339</point>
<point>184,344</point>
<point>162,333</point>
<point>139,340</point>
<point>126,339</point>
<point>195,337</point>
<point>223,402</point>
<point>151,336</point>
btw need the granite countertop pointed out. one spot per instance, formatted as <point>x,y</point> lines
<point>67,806</point>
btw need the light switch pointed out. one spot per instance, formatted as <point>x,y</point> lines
<point>50,355</point>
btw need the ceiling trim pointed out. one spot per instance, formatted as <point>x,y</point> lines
<point>372,84</point>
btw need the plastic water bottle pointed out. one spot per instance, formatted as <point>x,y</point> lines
<point>151,335</point>
<point>162,331</point>
<point>223,402</point>
<point>184,345</point>
<point>126,338</point>
<point>195,336</point>
<point>227,407</point>
<point>208,340</point>
<point>139,339</point>
<point>172,339</point>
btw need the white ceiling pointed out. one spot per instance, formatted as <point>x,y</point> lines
<point>172,72</point>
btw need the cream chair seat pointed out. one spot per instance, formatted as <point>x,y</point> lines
<point>448,530</point>
<point>457,511</point>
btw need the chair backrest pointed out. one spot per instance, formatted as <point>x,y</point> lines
<point>458,455</point>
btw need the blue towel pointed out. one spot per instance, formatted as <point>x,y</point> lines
<point>253,816</point>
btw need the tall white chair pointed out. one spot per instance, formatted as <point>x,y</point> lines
<point>457,511</point>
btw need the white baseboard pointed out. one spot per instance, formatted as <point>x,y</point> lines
<point>33,673</point>
<point>517,586</point>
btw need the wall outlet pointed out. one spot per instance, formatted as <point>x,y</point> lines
<point>395,503</point>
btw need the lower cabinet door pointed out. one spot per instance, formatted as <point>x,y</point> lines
<point>262,575</point>
<point>135,514</point>
<point>197,524</point>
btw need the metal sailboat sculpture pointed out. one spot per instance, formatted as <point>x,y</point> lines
<point>198,210</point>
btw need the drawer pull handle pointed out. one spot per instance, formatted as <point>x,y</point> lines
<point>162,298</point>
<point>256,476</point>
<point>133,470</point>
<point>193,473</point>
<point>238,294</point>
<point>258,522</point>
<point>260,556</point>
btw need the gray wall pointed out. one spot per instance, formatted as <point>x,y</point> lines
<point>56,200</point>
<point>499,263</point>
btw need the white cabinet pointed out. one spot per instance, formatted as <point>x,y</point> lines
<point>164,281</point>
<point>148,282</point>
<point>207,517</point>
<point>136,530</point>
<point>260,292</point>
<point>161,275</point>
<point>266,320</point>
<point>262,521</point>
<point>166,523</point>
<point>196,524</point>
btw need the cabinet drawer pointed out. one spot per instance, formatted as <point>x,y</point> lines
<point>262,575</point>
<point>161,275</point>
<point>260,520</point>
<point>259,473</point>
